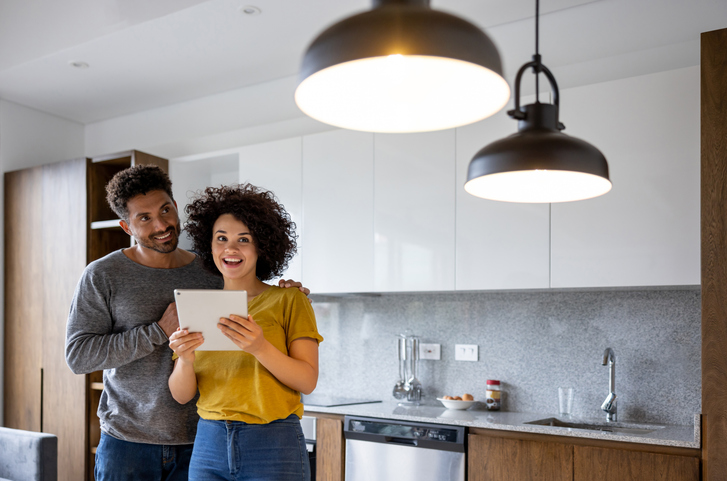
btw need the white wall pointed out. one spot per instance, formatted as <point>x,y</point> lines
<point>29,138</point>
<point>251,115</point>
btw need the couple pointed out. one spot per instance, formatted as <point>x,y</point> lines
<point>123,318</point>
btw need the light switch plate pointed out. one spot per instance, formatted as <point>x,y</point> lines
<point>430,351</point>
<point>466,352</point>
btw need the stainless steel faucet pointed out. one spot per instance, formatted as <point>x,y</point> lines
<point>609,405</point>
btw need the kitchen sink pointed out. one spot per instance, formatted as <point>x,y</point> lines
<point>607,428</point>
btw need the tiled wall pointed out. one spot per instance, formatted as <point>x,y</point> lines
<point>533,341</point>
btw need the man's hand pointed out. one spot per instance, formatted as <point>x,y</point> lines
<point>291,283</point>
<point>169,321</point>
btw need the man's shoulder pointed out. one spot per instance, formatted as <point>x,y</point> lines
<point>110,261</point>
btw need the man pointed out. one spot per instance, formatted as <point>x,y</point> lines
<point>120,321</point>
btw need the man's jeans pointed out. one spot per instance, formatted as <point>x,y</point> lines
<point>118,460</point>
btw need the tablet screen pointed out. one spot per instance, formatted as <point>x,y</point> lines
<point>199,310</point>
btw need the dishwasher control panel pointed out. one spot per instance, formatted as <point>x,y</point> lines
<point>399,430</point>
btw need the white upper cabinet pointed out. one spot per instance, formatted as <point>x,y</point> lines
<point>414,211</point>
<point>389,213</point>
<point>338,212</point>
<point>276,166</point>
<point>500,245</point>
<point>645,232</point>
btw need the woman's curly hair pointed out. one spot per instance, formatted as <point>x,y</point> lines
<point>272,230</point>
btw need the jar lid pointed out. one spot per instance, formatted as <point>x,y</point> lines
<point>493,381</point>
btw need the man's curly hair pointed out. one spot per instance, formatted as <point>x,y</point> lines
<point>272,230</point>
<point>134,181</point>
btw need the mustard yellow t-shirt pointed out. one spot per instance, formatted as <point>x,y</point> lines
<point>234,386</point>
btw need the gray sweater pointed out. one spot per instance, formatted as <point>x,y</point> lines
<point>113,326</point>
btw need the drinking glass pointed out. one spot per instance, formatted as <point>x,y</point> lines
<point>565,400</point>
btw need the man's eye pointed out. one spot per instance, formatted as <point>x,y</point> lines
<point>165,210</point>
<point>145,218</point>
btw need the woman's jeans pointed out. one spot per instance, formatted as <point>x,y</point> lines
<point>118,460</point>
<point>235,451</point>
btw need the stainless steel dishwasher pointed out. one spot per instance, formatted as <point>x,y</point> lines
<point>387,449</point>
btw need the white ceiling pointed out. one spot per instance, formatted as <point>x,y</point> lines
<point>150,53</point>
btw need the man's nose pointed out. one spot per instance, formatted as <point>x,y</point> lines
<point>160,224</point>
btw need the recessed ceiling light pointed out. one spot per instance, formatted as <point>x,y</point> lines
<point>78,64</point>
<point>250,10</point>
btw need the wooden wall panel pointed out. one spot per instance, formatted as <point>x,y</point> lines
<point>599,464</point>
<point>64,258</point>
<point>500,459</point>
<point>23,307</point>
<point>714,253</point>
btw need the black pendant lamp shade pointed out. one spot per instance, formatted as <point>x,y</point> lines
<point>401,67</point>
<point>539,163</point>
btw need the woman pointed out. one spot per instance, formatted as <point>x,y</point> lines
<point>249,400</point>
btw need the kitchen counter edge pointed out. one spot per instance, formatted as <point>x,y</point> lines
<point>668,435</point>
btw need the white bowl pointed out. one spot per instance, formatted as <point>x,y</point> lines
<point>452,404</point>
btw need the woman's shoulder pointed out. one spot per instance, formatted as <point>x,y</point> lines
<point>284,296</point>
<point>284,292</point>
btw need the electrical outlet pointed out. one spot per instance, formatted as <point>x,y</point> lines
<point>466,352</point>
<point>430,351</point>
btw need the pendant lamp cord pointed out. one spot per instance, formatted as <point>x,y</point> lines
<point>538,68</point>
<point>536,57</point>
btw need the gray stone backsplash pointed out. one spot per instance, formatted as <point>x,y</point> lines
<point>532,341</point>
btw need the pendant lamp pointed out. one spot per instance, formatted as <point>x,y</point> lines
<point>539,163</point>
<point>401,67</point>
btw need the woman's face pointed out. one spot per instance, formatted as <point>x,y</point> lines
<point>233,249</point>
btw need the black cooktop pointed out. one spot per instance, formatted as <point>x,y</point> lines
<point>332,401</point>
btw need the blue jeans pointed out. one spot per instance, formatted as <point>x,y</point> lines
<point>236,451</point>
<point>118,460</point>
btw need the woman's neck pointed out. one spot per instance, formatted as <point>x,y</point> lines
<point>253,286</point>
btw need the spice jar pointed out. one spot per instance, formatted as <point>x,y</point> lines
<point>492,396</point>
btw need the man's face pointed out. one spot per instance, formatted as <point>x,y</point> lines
<point>153,221</point>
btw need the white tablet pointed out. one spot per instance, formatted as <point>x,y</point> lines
<point>199,310</point>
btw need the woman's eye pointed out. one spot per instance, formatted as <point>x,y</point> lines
<point>244,239</point>
<point>221,238</point>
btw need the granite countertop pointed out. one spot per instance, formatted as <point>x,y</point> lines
<point>663,434</point>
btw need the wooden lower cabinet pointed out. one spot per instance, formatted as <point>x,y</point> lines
<point>500,459</point>
<point>603,464</point>
<point>507,458</point>
<point>330,447</point>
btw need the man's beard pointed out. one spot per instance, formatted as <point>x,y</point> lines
<point>166,247</point>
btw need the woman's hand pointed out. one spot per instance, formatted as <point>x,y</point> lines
<point>184,343</point>
<point>244,332</point>
<point>183,381</point>
<point>298,370</point>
